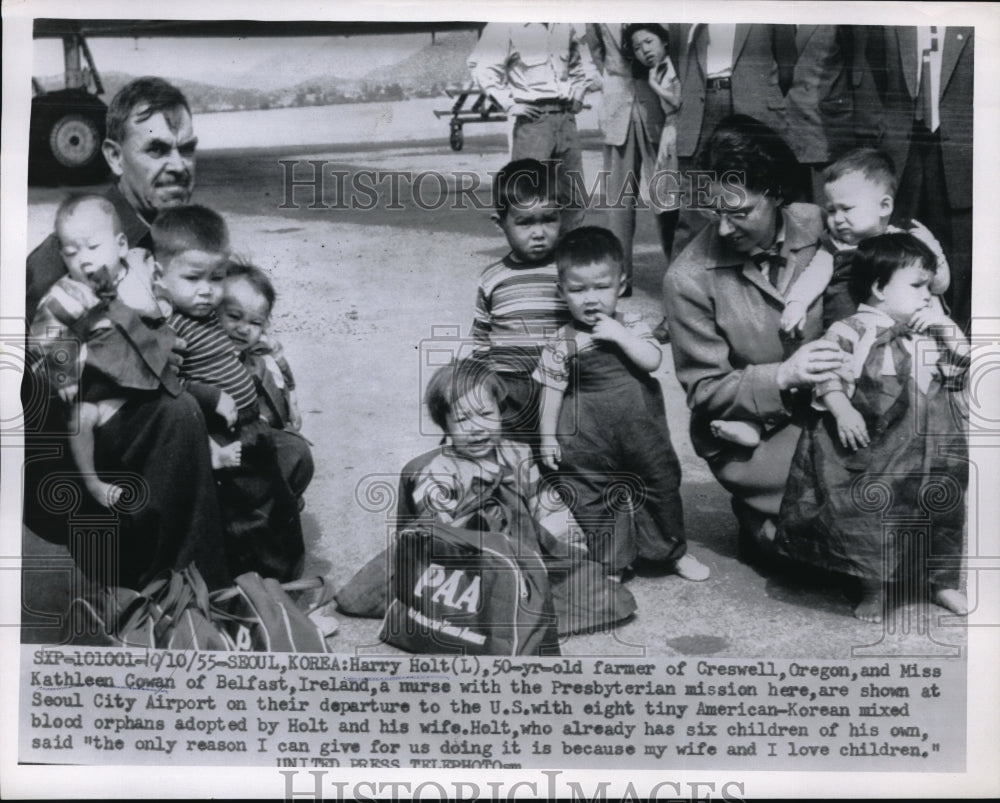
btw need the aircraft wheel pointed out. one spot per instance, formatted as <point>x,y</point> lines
<point>67,134</point>
<point>457,139</point>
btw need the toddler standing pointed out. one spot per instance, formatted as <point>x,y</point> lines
<point>517,303</point>
<point>603,419</point>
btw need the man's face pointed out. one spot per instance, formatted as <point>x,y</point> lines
<point>155,163</point>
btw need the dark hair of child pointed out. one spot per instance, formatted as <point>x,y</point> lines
<point>640,70</point>
<point>877,258</point>
<point>747,147</point>
<point>875,165</point>
<point>451,382</point>
<point>588,245</point>
<point>188,228</point>
<point>520,183</point>
<point>75,201</point>
<point>255,277</point>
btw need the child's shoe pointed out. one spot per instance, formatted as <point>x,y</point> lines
<point>690,568</point>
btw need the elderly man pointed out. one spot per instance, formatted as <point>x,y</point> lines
<point>157,440</point>
<point>150,147</point>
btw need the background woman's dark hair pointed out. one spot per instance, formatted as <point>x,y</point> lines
<point>747,146</point>
<point>639,70</point>
<point>877,258</point>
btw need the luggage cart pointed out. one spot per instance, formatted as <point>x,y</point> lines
<point>483,109</point>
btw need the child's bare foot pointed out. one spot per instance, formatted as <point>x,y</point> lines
<point>952,599</point>
<point>743,433</point>
<point>107,494</point>
<point>228,456</point>
<point>872,605</point>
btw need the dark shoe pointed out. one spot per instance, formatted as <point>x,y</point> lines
<point>662,332</point>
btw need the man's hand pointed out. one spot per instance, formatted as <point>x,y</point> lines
<point>525,111</point>
<point>226,408</point>
<point>177,352</point>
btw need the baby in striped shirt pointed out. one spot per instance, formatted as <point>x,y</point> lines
<point>191,244</point>
<point>259,508</point>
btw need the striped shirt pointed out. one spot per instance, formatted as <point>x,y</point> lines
<point>211,358</point>
<point>517,308</point>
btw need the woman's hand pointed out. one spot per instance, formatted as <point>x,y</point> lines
<point>813,363</point>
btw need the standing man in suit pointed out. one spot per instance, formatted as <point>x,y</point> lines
<point>729,69</point>
<point>819,102</point>
<point>922,79</point>
<point>726,69</point>
<point>631,120</point>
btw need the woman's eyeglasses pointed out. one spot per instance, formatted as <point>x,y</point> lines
<point>739,214</point>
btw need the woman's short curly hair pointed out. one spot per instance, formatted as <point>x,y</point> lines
<point>740,144</point>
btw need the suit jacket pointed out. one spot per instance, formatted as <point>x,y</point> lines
<point>756,82</point>
<point>724,327</point>
<point>819,99</point>
<point>45,263</point>
<point>890,54</point>
<point>622,89</point>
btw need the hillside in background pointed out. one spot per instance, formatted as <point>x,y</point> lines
<point>423,74</point>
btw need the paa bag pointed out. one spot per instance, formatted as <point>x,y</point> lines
<point>458,590</point>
